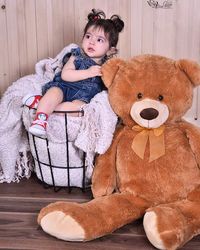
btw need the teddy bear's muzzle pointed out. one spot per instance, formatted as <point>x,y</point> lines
<point>149,113</point>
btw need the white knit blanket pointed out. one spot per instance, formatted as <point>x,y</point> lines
<point>92,133</point>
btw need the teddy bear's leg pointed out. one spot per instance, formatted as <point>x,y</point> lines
<point>81,222</point>
<point>172,225</point>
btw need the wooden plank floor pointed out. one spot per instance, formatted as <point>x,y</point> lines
<point>20,204</point>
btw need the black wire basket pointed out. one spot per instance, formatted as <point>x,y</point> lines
<point>65,171</point>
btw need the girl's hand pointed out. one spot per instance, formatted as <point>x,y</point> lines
<point>95,71</point>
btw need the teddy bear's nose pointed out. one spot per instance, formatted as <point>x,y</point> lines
<point>149,113</point>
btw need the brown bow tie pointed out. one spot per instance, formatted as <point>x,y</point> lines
<point>156,142</point>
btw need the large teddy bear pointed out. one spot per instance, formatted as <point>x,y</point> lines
<point>152,167</point>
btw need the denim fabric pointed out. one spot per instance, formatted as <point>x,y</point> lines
<point>83,90</point>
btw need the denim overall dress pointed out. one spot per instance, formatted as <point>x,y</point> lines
<point>83,90</point>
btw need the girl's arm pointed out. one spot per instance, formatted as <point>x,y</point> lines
<point>70,74</point>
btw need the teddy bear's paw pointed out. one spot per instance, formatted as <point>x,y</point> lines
<point>102,190</point>
<point>62,226</point>
<point>150,227</point>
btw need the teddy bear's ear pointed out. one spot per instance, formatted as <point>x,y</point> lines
<point>110,69</point>
<point>191,69</point>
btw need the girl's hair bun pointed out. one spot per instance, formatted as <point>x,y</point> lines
<point>118,23</point>
<point>96,15</point>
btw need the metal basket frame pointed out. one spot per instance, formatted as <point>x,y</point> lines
<point>68,167</point>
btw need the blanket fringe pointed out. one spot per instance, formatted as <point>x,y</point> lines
<point>23,168</point>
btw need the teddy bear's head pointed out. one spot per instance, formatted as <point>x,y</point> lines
<point>150,90</point>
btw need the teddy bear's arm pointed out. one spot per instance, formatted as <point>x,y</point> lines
<point>193,134</point>
<point>104,175</point>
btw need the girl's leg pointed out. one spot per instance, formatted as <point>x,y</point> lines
<point>46,106</point>
<point>52,98</point>
<point>75,105</point>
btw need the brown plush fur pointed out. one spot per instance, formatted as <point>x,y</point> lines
<point>125,186</point>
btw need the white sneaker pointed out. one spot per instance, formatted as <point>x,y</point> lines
<point>38,126</point>
<point>31,101</point>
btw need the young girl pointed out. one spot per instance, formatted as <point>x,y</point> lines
<point>80,79</point>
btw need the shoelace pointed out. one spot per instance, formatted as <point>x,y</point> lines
<point>40,123</point>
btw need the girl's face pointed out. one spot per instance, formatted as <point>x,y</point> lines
<point>95,44</point>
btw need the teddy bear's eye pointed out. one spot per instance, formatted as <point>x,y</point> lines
<point>160,97</point>
<point>139,95</point>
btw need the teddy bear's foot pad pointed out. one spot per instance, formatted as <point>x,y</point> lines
<point>62,226</point>
<point>150,227</point>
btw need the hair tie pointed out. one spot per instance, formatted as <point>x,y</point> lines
<point>96,15</point>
